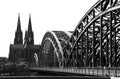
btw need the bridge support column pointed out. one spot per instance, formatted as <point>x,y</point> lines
<point>110,58</point>
<point>93,42</point>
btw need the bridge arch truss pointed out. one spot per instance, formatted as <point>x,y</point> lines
<point>52,48</point>
<point>96,39</point>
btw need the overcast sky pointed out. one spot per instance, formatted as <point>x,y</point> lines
<point>46,15</point>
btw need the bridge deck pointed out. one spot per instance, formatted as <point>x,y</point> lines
<point>50,77</point>
<point>85,71</point>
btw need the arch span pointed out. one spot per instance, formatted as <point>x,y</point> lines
<point>54,42</point>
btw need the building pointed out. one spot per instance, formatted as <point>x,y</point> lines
<point>3,60</point>
<point>24,49</point>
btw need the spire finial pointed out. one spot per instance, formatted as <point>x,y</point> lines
<point>30,15</point>
<point>18,14</point>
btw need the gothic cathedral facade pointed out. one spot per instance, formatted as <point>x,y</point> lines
<point>24,49</point>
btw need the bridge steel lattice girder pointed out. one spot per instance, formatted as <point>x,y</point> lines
<point>90,23</point>
<point>57,39</point>
<point>111,9</point>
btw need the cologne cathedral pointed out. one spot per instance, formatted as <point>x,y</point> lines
<point>24,49</point>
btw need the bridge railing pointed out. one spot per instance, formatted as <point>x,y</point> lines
<point>97,71</point>
<point>101,71</point>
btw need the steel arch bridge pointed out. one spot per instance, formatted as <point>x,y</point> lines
<point>53,48</point>
<point>95,42</point>
<point>93,48</point>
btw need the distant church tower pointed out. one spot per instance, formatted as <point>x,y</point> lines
<point>18,34</point>
<point>29,36</point>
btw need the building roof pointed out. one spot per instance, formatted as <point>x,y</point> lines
<point>13,46</point>
<point>32,47</point>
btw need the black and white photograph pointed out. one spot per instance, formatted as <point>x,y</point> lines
<point>60,39</point>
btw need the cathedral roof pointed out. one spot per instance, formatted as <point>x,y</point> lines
<point>32,47</point>
<point>16,46</point>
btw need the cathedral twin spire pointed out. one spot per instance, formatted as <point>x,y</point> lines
<point>18,24</point>
<point>29,38</point>
<point>29,24</point>
<point>18,34</point>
